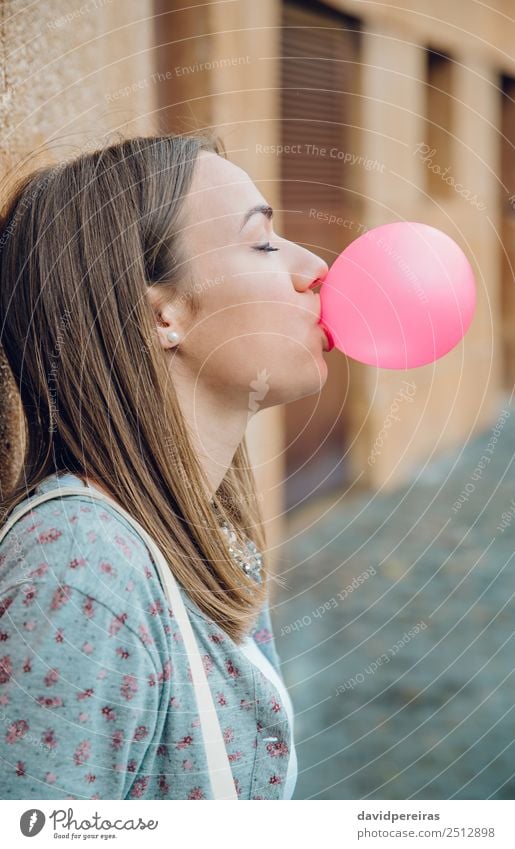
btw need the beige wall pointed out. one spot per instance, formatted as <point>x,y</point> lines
<point>484,30</point>
<point>61,64</point>
<point>458,394</point>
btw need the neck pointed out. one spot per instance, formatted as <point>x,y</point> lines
<point>216,427</point>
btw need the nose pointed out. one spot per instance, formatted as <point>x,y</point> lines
<point>316,283</point>
<point>310,275</point>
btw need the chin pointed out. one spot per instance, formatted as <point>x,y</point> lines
<point>313,380</point>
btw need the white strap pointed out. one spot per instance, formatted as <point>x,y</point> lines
<point>220,772</point>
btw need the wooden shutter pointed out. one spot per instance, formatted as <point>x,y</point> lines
<point>319,110</point>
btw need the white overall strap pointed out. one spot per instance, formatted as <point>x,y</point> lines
<point>220,772</point>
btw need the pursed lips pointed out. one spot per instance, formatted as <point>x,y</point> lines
<point>329,341</point>
<point>328,338</point>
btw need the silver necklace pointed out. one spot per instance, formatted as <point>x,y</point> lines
<point>245,554</point>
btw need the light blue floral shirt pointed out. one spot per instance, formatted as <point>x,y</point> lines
<point>96,698</point>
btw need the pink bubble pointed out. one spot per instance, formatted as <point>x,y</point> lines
<point>400,296</point>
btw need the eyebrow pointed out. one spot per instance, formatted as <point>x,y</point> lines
<point>262,207</point>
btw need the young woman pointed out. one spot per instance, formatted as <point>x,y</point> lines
<point>143,293</point>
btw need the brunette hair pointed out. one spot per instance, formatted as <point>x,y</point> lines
<point>80,241</point>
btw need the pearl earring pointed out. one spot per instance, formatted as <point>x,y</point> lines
<point>173,336</point>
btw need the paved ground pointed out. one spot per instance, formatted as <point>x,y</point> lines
<point>382,712</point>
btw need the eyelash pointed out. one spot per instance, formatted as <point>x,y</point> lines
<point>266,247</point>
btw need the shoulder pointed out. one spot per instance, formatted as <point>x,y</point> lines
<point>84,668</point>
<point>75,554</point>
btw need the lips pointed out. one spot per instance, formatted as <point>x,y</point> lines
<point>328,336</point>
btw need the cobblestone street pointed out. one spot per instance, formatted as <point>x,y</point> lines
<point>402,681</point>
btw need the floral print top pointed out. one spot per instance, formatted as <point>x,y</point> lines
<point>96,697</point>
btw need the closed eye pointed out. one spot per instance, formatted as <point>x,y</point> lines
<point>266,247</point>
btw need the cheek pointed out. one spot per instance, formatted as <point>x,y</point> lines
<point>248,321</point>
<point>246,305</point>
<point>241,337</point>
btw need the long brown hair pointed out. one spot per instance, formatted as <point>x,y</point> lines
<point>80,241</point>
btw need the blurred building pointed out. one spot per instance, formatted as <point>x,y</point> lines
<point>347,115</point>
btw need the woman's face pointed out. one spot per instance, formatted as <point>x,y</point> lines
<point>255,337</point>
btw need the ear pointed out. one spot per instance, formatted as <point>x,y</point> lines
<point>167,316</point>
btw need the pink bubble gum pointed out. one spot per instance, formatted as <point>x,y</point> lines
<point>400,296</point>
